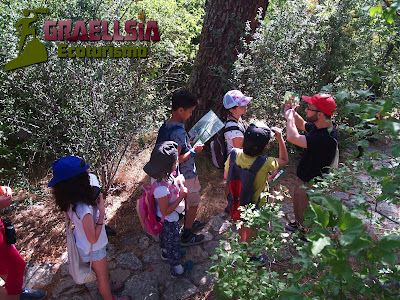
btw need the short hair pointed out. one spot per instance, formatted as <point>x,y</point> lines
<point>183,98</point>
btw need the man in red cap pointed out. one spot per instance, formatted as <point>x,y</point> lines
<point>320,146</point>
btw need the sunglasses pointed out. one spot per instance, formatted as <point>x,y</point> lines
<point>313,109</point>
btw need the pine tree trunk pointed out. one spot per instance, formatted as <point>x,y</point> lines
<point>223,25</point>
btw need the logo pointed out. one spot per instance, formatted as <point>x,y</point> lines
<point>34,52</point>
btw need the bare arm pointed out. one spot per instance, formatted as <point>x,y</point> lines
<point>283,159</point>
<point>197,148</point>
<point>293,135</point>
<point>299,122</point>
<point>92,231</point>
<point>167,208</point>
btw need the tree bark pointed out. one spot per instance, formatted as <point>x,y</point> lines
<point>224,24</point>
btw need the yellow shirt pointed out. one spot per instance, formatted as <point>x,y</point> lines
<point>245,161</point>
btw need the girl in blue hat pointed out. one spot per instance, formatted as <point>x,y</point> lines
<point>72,191</point>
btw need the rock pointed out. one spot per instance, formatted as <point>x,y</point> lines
<point>119,274</point>
<point>152,255</point>
<point>111,265</point>
<point>179,288</point>
<point>129,261</point>
<point>155,238</point>
<point>143,286</point>
<point>196,254</point>
<point>162,271</point>
<point>144,243</point>
<point>207,236</point>
<point>38,275</point>
<point>129,240</point>
<point>110,251</point>
<point>224,227</point>
<point>341,196</point>
<point>200,277</point>
<point>210,247</point>
<point>216,223</point>
<point>64,272</point>
<point>64,286</point>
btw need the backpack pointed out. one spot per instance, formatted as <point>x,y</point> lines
<point>164,134</point>
<point>218,146</point>
<point>146,210</point>
<point>241,182</point>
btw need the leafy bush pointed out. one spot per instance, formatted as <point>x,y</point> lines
<point>94,108</point>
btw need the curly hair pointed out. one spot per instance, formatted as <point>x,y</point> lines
<point>73,191</point>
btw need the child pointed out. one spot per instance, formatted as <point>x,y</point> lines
<point>255,140</point>
<point>73,195</point>
<point>12,265</point>
<point>235,104</point>
<point>183,104</point>
<point>168,195</point>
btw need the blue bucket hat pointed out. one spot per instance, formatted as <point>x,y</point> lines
<point>67,167</point>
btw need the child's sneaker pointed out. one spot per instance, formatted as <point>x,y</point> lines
<point>198,224</point>
<point>187,267</point>
<point>28,294</point>
<point>192,239</point>
<point>165,257</point>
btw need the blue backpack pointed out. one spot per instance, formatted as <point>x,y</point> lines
<point>164,134</point>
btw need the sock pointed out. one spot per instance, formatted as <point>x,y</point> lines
<point>186,232</point>
<point>179,269</point>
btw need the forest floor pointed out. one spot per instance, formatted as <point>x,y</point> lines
<point>40,225</point>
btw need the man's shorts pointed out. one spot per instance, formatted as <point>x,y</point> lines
<point>193,196</point>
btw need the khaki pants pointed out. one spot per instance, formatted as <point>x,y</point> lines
<point>300,200</point>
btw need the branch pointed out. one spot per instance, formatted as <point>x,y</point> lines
<point>386,286</point>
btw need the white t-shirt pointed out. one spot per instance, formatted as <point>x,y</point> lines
<point>162,191</point>
<point>231,134</point>
<point>81,210</point>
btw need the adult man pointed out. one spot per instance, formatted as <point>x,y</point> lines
<point>319,145</point>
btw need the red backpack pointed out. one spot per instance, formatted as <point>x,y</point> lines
<point>146,209</point>
<point>240,181</point>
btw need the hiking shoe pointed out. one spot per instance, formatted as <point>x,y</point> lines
<point>165,257</point>
<point>28,294</point>
<point>116,286</point>
<point>262,259</point>
<point>292,226</point>
<point>198,224</point>
<point>187,267</point>
<point>110,231</point>
<point>192,239</point>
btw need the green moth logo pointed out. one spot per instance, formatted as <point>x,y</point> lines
<point>34,51</point>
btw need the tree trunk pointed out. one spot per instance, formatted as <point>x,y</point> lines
<point>224,24</point>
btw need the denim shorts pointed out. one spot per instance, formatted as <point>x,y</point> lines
<point>96,255</point>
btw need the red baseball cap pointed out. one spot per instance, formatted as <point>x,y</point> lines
<point>324,102</point>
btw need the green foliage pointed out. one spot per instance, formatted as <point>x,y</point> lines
<point>340,259</point>
<point>94,108</point>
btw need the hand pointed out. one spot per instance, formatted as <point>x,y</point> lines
<point>191,139</point>
<point>278,132</point>
<point>183,192</point>
<point>5,190</point>
<point>289,113</point>
<point>198,148</point>
<point>100,204</point>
